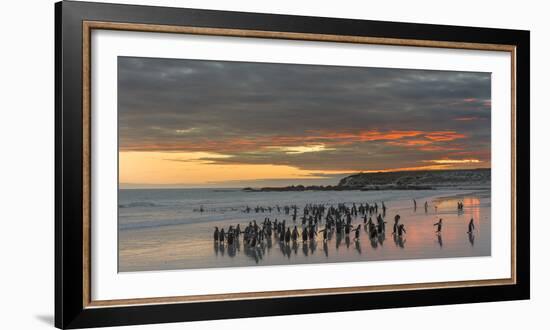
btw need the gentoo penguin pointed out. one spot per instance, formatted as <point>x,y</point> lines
<point>294,234</point>
<point>471,226</point>
<point>357,232</point>
<point>287,235</point>
<point>401,230</point>
<point>222,235</point>
<point>216,233</point>
<point>439,224</point>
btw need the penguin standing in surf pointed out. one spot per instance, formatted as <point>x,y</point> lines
<point>304,234</point>
<point>325,233</point>
<point>439,224</point>
<point>222,236</point>
<point>401,230</point>
<point>471,226</point>
<point>287,236</point>
<point>381,224</point>
<point>347,228</point>
<point>294,234</point>
<point>312,234</point>
<point>230,236</point>
<point>396,224</point>
<point>372,230</point>
<point>216,234</point>
<point>357,232</point>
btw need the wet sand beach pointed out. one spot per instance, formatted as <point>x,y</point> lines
<point>165,241</point>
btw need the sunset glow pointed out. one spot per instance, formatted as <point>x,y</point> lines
<point>188,168</point>
<point>294,123</point>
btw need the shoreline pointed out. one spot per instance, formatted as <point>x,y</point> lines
<point>389,187</point>
<point>190,246</point>
<point>403,180</point>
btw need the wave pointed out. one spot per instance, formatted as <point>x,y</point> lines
<point>137,204</point>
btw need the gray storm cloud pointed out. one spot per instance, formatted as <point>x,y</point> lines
<point>257,112</point>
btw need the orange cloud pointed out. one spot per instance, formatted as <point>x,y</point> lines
<point>365,136</point>
<point>409,143</point>
<point>434,148</point>
<point>467,118</point>
<point>414,168</point>
<point>422,140</point>
<point>444,136</point>
<point>453,161</point>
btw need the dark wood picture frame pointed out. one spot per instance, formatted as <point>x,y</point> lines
<point>73,24</point>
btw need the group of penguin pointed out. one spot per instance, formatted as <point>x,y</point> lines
<point>336,219</point>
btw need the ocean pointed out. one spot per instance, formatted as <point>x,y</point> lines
<point>163,229</point>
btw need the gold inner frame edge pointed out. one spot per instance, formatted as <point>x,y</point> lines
<point>88,26</point>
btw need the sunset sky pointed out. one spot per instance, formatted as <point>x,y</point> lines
<point>194,123</point>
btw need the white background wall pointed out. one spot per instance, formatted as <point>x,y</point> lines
<point>27,168</point>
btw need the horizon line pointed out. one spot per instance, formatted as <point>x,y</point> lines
<point>212,185</point>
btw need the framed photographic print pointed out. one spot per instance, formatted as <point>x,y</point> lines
<point>218,164</point>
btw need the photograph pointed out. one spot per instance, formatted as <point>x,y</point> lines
<point>244,164</point>
<point>235,163</point>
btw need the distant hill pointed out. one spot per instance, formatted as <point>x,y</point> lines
<point>418,179</point>
<point>405,180</point>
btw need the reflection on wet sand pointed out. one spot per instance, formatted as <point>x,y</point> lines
<point>341,229</point>
<point>290,249</point>
<point>358,246</point>
<point>341,234</point>
<point>399,241</point>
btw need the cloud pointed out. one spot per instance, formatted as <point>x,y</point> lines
<point>308,116</point>
<point>453,161</point>
<point>468,118</point>
<point>301,149</point>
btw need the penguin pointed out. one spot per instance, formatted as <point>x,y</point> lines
<point>230,236</point>
<point>287,235</point>
<point>338,227</point>
<point>439,224</point>
<point>357,232</point>
<point>216,234</point>
<point>471,226</point>
<point>372,230</point>
<point>312,233</point>
<point>381,224</point>
<point>294,234</point>
<point>401,230</point>
<point>304,234</point>
<point>396,224</point>
<point>222,235</point>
